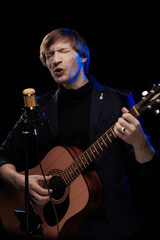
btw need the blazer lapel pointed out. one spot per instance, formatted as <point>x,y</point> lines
<point>53,115</point>
<point>97,101</point>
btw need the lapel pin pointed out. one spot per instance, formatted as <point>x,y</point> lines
<point>101,96</point>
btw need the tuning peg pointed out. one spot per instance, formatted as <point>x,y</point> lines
<point>157,111</point>
<point>149,107</point>
<point>154,85</point>
<point>144,94</point>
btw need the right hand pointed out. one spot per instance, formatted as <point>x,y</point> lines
<point>37,193</point>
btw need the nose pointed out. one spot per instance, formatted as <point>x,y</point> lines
<point>56,59</point>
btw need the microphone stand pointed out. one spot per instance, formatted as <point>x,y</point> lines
<point>29,130</point>
<point>25,133</point>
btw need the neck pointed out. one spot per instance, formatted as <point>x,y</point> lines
<point>76,83</point>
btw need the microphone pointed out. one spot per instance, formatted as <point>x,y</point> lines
<point>32,116</point>
<point>29,96</point>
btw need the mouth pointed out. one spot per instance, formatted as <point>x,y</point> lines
<point>58,71</point>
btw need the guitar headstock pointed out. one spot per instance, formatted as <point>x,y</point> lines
<point>150,101</point>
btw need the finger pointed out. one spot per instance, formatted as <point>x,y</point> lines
<point>38,199</point>
<point>47,182</point>
<point>41,177</point>
<point>123,123</point>
<point>48,177</point>
<point>43,189</point>
<point>35,184</point>
<point>125,110</point>
<point>129,118</point>
<point>36,188</point>
<point>118,130</point>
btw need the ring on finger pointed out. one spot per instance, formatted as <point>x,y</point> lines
<point>123,130</point>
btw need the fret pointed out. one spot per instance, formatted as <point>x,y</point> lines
<point>68,172</point>
<point>110,134</point>
<point>92,151</point>
<point>73,170</point>
<point>104,142</point>
<point>77,167</point>
<point>95,148</point>
<point>100,143</point>
<point>113,133</point>
<point>108,138</point>
<point>63,178</point>
<point>67,181</point>
<point>92,156</point>
<point>79,162</point>
<point>89,157</point>
<point>84,160</point>
<point>72,173</point>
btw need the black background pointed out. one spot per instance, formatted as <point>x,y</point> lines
<point>123,39</point>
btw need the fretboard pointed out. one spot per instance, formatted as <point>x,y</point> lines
<point>87,157</point>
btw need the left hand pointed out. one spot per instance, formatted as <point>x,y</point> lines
<point>132,133</point>
<point>129,129</point>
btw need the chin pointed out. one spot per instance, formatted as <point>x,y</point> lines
<point>61,80</point>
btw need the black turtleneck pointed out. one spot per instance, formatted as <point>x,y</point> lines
<point>74,113</point>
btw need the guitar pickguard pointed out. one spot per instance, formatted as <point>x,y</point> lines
<point>61,210</point>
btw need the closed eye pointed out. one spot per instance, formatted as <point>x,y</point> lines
<point>64,50</point>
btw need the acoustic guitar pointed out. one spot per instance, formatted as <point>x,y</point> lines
<point>76,192</point>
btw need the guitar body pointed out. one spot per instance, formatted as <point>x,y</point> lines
<point>73,202</point>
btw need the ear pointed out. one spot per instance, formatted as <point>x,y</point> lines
<point>84,59</point>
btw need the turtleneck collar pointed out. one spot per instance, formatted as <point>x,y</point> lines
<point>68,94</point>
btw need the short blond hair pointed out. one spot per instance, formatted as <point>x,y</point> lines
<point>77,41</point>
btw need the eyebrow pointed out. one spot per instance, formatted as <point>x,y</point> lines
<point>59,50</point>
<point>64,48</point>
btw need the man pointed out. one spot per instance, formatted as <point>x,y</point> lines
<point>79,112</point>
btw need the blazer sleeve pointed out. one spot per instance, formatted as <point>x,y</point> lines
<point>12,150</point>
<point>148,169</point>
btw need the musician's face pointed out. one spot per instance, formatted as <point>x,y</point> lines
<point>64,63</point>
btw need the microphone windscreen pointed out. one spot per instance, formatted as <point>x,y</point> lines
<point>29,98</point>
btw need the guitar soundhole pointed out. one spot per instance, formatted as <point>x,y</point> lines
<point>59,188</point>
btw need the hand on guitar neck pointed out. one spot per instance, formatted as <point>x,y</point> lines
<point>129,129</point>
